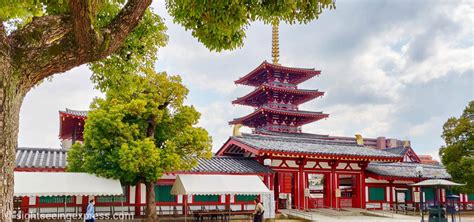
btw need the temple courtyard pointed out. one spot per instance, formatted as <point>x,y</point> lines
<point>356,215</point>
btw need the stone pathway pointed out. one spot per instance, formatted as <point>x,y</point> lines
<point>388,217</point>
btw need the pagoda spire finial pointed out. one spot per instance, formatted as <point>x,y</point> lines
<point>275,42</point>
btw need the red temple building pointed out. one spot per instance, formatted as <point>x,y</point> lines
<point>303,170</point>
<point>276,99</point>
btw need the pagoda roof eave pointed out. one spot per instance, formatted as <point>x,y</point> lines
<point>307,114</point>
<point>308,72</point>
<point>310,94</point>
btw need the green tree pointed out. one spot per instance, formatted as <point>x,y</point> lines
<point>40,38</point>
<point>138,134</point>
<point>458,153</point>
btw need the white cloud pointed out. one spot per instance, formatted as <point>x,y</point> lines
<point>426,128</point>
<point>378,59</point>
<point>370,121</point>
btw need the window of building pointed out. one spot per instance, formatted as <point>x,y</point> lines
<point>112,199</point>
<point>470,197</point>
<point>408,194</point>
<point>163,193</point>
<point>376,194</point>
<point>55,199</point>
<point>347,185</point>
<point>245,198</point>
<point>206,198</point>
<point>316,185</point>
<point>429,193</point>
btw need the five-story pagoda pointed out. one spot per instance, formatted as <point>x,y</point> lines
<point>276,96</point>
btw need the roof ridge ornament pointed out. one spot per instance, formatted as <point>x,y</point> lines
<point>275,42</point>
<point>236,130</point>
<point>359,139</point>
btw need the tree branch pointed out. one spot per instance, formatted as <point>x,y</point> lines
<point>44,47</point>
<point>83,14</point>
<point>53,44</point>
<point>117,31</point>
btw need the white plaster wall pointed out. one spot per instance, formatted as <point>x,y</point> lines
<point>310,164</point>
<point>142,193</point>
<point>355,166</point>
<point>168,176</point>
<point>276,163</point>
<point>325,165</point>
<point>291,163</point>
<point>132,194</point>
<point>341,166</point>
<point>372,180</point>
<point>32,200</point>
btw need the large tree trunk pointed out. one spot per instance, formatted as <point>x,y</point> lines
<point>11,97</point>
<point>25,60</point>
<point>150,210</point>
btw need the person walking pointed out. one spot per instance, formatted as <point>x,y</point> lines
<point>258,213</point>
<point>90,215</point>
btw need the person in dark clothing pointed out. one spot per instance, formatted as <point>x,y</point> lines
<point>259,210</point>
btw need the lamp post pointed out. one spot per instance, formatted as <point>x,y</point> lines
<point>419,172</point>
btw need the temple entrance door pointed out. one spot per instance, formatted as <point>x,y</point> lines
<point>349,186</point>
<point>287,190</point>
<point>317,184</point>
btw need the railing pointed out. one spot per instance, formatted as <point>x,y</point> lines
<point>301,214</point>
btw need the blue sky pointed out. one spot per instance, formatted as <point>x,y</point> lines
<point>389,68</point>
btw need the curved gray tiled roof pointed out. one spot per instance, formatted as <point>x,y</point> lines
<point>40,158</point>
<point>76,112</point>
<point>408,170</point>
<point>56,158</point>
<point>310,146</point>
<point>397,150</point>
<point>225,164</point>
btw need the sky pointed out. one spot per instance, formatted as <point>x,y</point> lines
<point>397,69</point>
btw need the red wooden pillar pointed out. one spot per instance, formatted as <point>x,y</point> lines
<point>266,181</point>
<point>85,202</point>
<point>185,205</point>
<point>295,190</point>
<point>25,203</point>
<point>363,201</point>
<point>138,199</point>
<point>302,185</point>
<point>334,185</point>
<point>227,201</point>
<point>390,182</point>
<point>272,181</point>
<point>276,189</point>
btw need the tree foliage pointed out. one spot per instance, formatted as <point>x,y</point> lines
<point>117,141</point>
<point>221,25</point>
<point>40,38</point>
<point>458,153</point>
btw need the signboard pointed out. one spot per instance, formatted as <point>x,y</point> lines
<point>306,192</point>
<point>416,196</point>
<point>401,197</point>
<point>316,195</point>
<point>338,192</point>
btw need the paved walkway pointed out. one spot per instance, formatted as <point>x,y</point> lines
<point>388,217</point>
